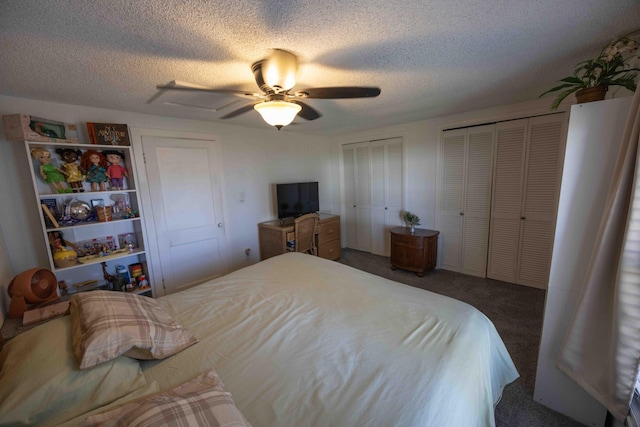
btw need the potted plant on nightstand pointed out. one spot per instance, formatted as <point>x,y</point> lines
<point>613,67</point>
<point>411,220</point>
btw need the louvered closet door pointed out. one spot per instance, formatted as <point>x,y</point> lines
<point>477,200</point>
<point>507,200</point>
<point>545,153</point>
<point>451,211</point>
<point>386,192</point>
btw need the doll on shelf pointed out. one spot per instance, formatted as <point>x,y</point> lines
<point>115,170</point>
<point>48,172</point>
<point>71,168</point>
<point>95,166</point>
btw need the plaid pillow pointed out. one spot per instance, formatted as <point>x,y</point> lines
<point>203,401</point>
<point>106,324</point>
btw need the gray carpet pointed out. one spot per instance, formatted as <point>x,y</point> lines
<point>516,311</point>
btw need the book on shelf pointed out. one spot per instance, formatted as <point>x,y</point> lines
<point>50,208</point>
<point>108,133</point>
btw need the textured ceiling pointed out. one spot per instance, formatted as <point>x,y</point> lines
<point>430,58</point>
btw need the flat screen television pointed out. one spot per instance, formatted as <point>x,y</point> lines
<point>297,199</point>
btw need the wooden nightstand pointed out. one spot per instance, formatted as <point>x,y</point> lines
<point>415,251</point>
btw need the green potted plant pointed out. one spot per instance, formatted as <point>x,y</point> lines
<point>411,220</point>
<point>614,66</point>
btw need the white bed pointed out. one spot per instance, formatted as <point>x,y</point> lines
<point>302,341</point>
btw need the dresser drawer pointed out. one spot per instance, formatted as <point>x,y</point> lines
<point>407,241</point>
<point>329,230</point>
<point>330,250</point>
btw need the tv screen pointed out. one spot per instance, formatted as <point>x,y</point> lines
<point>297,199</point>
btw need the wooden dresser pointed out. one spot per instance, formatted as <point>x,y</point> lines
<point>273,237</point>
<point>417,251</point>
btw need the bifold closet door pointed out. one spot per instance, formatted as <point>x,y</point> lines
<point>467,161</point>
<point>528,168</point>
<point>357,187</point>
<point>386,192</point>
<point>373,183</point>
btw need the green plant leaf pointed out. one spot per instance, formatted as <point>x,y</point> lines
<point>562,96</point>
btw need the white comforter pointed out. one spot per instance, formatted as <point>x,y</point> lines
<point>302,341</point>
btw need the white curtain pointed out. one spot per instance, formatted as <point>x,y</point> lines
<point>601,350</point>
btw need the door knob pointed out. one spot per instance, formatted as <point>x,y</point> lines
<point>522,217</point>
<point>461,213</point>
<point>220,225</point>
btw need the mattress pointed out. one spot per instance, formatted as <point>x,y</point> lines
<point>302,341</point>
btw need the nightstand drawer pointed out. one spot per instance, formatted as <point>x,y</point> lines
<point>407,241</point>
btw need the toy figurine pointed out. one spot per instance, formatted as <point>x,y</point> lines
<point>71,168</point>
<point>115,170</point>
<point>49,172</point>
<point>95,166</point>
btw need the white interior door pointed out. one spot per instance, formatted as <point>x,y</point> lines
<point>184,185</point>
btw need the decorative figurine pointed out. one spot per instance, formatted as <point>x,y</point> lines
<point>117,282</point>
<point>48,172</point>
<point>95,166</point>
<point>71,168</point>
<point>115,170</point>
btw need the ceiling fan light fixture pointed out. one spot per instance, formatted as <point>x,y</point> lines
<point>278,113</point>
<point>279,70</point>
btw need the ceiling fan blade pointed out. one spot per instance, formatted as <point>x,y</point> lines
<point>240,110</point>
<point>339,92</point>
<point>307,112</point>
<point>175,86</point>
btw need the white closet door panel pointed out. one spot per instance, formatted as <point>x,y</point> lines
<point>394,175</point>
<point>348,165</point>
<point>452,196</point>
<point>377,176</point>
<point>479,169</point>
<point>363,229</point>
<point>363,177</point>
<point>348,157</point>
<point>474,250</point>
<point>503,249</point>
<point>378,230</point>
<point>509,166</point>
<point>450,242</point>
<point>542,174</point>
<point>535,253</point>
<point>477,200</point>
<point>453,171</point>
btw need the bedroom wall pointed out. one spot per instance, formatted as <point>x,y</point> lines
<point>253,159</point>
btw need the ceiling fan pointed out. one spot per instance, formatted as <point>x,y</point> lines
<point>278,106</point>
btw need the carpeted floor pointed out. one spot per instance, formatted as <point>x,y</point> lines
<point>516,311</point>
